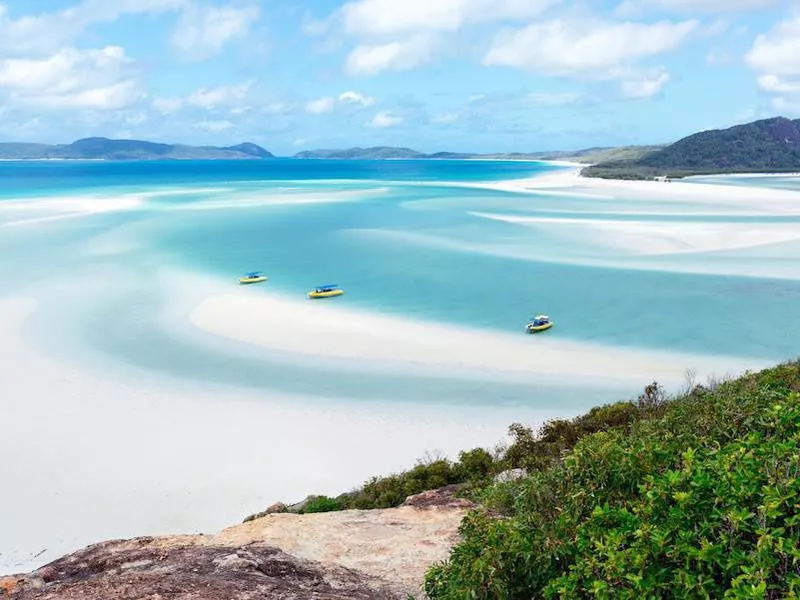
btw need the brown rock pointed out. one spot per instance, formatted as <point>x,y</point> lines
<point>143,569</point>
<point>344,555</point>
<point>442,498</point>
<point>272,509</point>
<point>8,585</point>
<point>278,507</point>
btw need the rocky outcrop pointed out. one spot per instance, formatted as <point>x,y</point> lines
<point>443,498</point>
<point>353,555</point>
<point>172,568</point>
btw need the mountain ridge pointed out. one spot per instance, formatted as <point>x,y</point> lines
<point>763,146</point>
<point>102,148</point>
<point>586,155</point>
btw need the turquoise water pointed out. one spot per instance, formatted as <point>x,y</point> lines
<point>781,182</point>
<point>101,245</point>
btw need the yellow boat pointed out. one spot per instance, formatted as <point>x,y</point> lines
<point>326,291</point>
<point>254,277</point>
<point>539,323</point>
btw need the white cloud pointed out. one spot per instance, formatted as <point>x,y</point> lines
<point>385,119</point>
<point>356,98</point>
<point>399,35</point>
<point>203,31</point>
<point>371,59</point>
<point>445,119</point>
<point>214,126</point>
<point>775,56</point>
<point>110,97</point>
<point>320,106</point>
<point>585,49</point>
<point>392,17</point>
<point>646,87</point>
<point>167,105</point>
<point>135,118</point>
<point>553,98</point>
<point>277,108</point>
<point>45,33</point>
<point>328,104</point>
<point>778,51</point>
<point>221,95</point>
<point>777,85</point>
<point>97,79</point>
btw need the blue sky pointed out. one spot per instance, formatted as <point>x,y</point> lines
<point>470,75</point>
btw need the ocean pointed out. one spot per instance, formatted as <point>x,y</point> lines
<point>407,238</point>
<point>118,255</point>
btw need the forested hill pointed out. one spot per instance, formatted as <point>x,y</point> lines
<point>100,148</point>
<point>766,146</point>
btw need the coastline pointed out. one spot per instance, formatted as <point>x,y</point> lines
<point>103,454</point>
<point>98,447</point>
<point>303,328</point>
<point>570,181</point>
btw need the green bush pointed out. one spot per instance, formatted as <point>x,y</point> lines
<point>318,504</point>
<point>692,498</point>
<point>387,492</point>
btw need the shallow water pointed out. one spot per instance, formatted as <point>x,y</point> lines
<point>118,255</point>
<point>399,239</point>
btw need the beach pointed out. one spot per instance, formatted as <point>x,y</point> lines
<point>145,392</point>
<point>312,329</point>
<point>90,456</point>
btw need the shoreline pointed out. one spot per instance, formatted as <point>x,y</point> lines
<point>301,328</point>
<point>570,182</point>
<point>106,454</point>
<point>99,445</point>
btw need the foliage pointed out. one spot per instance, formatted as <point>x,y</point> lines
<point>473,467</point>
<point>476,468</point>
<point>536,451</point>
<point>697,497</point>
<point>769,145</point>
<point>318,504</point>
<point>386,492</point>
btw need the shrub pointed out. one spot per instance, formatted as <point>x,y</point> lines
<point>318,504</point>
<point>692,498</point>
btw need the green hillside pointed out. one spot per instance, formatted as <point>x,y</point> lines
<point>767,146</point>
<point>697,497</point>
<point>100,148</point>
<point>691,497</point>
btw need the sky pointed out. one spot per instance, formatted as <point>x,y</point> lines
<point>458,75</point>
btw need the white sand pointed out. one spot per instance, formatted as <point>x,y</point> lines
<point>254,199</point>
<point>62,207</point>
<point>315,328</point>
<point>732,199</point>
<point>89,456</point>
<point>668,237</point>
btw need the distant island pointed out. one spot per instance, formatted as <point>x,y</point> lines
<point>765,146</point>
<point>586,156</point>
<point>100,148</point>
